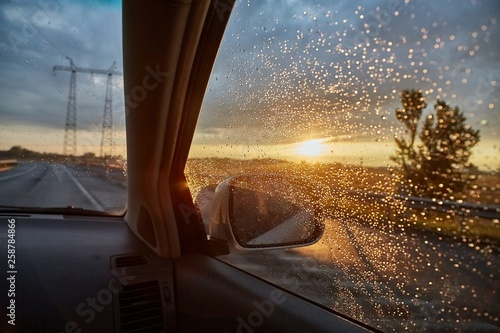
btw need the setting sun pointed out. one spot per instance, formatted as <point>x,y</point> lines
<point>311,147</point>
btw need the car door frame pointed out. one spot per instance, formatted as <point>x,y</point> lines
<point>211,295</point>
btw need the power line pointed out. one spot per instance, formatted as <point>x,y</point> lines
<point>107,123</point>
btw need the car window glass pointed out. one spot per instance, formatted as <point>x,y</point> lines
<point>391,108</point>
<point>62,134</point>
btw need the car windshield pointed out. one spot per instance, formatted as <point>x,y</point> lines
<point>390,110</point>
<point>62,136</point>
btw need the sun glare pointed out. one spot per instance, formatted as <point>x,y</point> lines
<point>311,147</point>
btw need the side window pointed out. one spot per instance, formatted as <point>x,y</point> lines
<point>392,109</point>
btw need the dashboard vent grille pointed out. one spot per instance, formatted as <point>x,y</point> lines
<point>141,308</point>
<point>130,260</point>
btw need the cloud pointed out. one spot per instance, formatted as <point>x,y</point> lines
<point>38,35</point>
<point>289,73</point>
<point>287,70</point>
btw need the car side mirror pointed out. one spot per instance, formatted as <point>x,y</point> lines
<point>263,212</point>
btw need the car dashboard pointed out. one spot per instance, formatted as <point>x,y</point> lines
<point>75,274</point>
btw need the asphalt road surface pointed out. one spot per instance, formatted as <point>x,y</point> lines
<point>393,279</point>
<point>58,185</point>
<point>389,277</point>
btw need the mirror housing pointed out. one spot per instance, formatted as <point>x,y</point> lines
<point>253,212</point>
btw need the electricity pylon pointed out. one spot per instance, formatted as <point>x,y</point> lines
<point>70,130</point>
<point>107,119</point>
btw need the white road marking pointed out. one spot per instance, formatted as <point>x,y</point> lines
<point>89,196</point>
<point>57,172</point>
<point>18,174</point>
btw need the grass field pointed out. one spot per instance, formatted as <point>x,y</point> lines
<point>344,191</point>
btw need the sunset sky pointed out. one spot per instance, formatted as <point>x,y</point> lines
<point>295,71</point>
<point>288,72</point>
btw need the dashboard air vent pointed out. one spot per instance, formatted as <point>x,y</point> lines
<point>130,260</point>
<point>141,308</point>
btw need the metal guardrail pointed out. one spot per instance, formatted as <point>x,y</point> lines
<point>7,163</point>
<point>465,208</point>
<point>489,212</point>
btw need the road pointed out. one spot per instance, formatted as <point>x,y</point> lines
<point>34,184</point>
<point>394,279</point>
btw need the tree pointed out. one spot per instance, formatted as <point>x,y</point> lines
<point>436,165</point>
<point>88,155</point>
<point>406,155</point>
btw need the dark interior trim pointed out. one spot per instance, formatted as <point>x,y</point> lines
<point>213,296</point>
